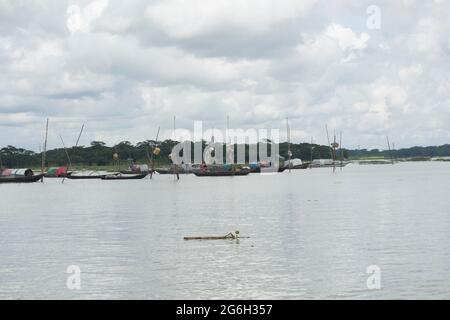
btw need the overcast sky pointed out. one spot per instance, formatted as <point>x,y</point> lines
<point>124,68</point>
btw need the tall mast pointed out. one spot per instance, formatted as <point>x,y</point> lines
<point>389,147</point>
<point>175,166</point>
<point>44,153</point>
<point>329,144</point>
<point>340,148</point>
<point>288,134</point>
<point>155,144</point>
<point>79,136</point>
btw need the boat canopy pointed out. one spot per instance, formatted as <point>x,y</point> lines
<point>57,171</point>
<point>322,161</point>
<point>293,162</point>
<point>17,172</point>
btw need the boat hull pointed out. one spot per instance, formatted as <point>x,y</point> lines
<point>221,174</point>
<point>84,177</point>
<point>29,179</point>
<point>135,177</point>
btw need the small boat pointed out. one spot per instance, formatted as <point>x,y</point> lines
<point>85,175</point>
<point>296,164</point>
<point>124,177</point>
<point>20,179</point>
<point>220,171</point>
<point>328,163</point>
<point>257,169</point>
<point>171,171</point>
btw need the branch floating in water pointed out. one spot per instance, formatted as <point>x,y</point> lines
<point>230,236</point>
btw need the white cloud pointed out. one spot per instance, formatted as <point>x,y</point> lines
<point>124,68</point>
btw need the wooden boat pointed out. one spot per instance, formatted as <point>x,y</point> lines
<point>84,177</point>
<point>300,166</point>
<point>124,177</point>
<point>20,179</point>
<point>200,173</point>
<point>258,169</point>
<point>171,171</point>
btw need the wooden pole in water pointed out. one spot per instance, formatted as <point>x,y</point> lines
<point>44,152</point>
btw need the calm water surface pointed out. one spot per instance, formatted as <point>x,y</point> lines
<point>312,235</point>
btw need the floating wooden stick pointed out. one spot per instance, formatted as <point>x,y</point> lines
<point>230,236</point>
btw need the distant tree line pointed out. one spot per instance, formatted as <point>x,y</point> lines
<point>99,154</point>
<point>433,151</point>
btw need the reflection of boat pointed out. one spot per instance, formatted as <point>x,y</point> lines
<point>20,179</point>
<point>124,177</point>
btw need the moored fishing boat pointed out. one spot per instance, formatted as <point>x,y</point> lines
<point>20,179</point>
<point>86,175</point>
<point>18,176</point>
<point>124,177</point>
<point>295,164</point>
<point>225,170</point>
<point>327,163</point>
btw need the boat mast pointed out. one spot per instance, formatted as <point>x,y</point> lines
<point>389,147</point>
<point>175,166</point>
<point>152,159</point>
<point>329,144</point>
<point>67,153</point>
<point>340,149</point>
<point>44,153</point>
<point>79,136</point>
<point>288,133</point>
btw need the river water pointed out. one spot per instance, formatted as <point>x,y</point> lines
<point>313,235</point>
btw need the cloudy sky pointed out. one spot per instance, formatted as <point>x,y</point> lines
<point>124,68</point>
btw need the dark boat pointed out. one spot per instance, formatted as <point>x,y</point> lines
<point>221,173</point>
<point>133,172</point>
<point>20,179</point>
<point>258,169</point>
<point>300,166</point>
<point>171,171</point>
<point>84,177</point>
<point>123,177</point>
